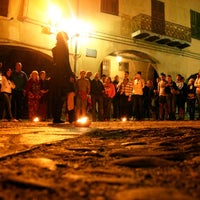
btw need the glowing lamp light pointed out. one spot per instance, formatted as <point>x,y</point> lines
<point>119,59</point>
<point>36,119</point>
<point>83,122</point>
<point>54,14</point>
<point>124,119</point>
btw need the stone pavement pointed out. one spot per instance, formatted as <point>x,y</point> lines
<point>18,137</point>
<point>109,161</point>
<point>144,124</point>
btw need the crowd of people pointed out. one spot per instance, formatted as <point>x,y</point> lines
<point>18,93</point>
<point>100,98</point>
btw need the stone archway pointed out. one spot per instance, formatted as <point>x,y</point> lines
<point>194,76</point>
<point>132,61</point>
<point>30,58</point>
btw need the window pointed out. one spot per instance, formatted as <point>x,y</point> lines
<point>4,8</point>
<point>158,16</point>
<point>123,66</point>
<point>110,6</point>
<point>195,24</point>
<point>105,67</point>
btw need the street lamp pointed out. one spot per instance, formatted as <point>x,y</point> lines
<point>76,55</point>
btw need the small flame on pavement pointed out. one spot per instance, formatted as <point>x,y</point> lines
<point>36,119</point>
<point>124,119</point>
<point>82,120</point>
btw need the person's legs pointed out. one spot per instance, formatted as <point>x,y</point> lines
<point>94,111</point>
<point>140,107</point>
<point>17,104</point>
<point>57,103</point>
<point>124,106</point>
<point>100,108</point>
<point>162,107</point>
<point>1,105</point>
<point>198,102</point>
<point>7,108</point>
<point>71,107</point>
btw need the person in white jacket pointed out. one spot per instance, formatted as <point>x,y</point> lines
<point>138,103</point>
<point>6,91</point>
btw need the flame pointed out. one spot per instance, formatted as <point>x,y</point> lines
<point>124,119</point>
<point>83,120</point>
<point>36,119</point>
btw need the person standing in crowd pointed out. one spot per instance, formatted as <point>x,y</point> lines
<point>97,91</point>
<point>19,78</point>
<point>115,100</point>
<point>125,90</point>
<point>163,109</point>
<point>109,93</point>
<point>1,99</point>
<point>138,103</point>
<point>6,91</point>
<point>60,75</point>
<point>148,94</point>
<point>171,91</point>
<point>103,78</point>
<point>1,68</point>
<point>191,98</point>
<point>44,90</point>
<point>83,90</point>
<point>88,76</point>
<point>33,94</point>
<point>197,85</point>
<point>155,101</point>
<point>89,101</point>
<point>181,96</point>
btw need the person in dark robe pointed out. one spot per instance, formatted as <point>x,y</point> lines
<point>60,75</point>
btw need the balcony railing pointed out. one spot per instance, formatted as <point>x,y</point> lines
<point>162,32</point>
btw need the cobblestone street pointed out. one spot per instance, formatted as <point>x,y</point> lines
<point>106,161</point>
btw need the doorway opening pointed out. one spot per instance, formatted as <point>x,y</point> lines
<point>133,61</point>
<point>30,58</point>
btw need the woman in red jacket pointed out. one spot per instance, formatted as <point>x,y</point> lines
<point>109,92</point>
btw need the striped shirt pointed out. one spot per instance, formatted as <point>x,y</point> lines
<point>126,87</point>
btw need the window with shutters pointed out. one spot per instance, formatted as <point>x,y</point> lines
<point>4,8</point>
<point>105,67</point>
<point>110,6</point>
<point>195,24</point>
<point>158,16</point>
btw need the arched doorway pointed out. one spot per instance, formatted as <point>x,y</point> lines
<point>130,60</point>
<point>30,58</point>
<point>194,76</point>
